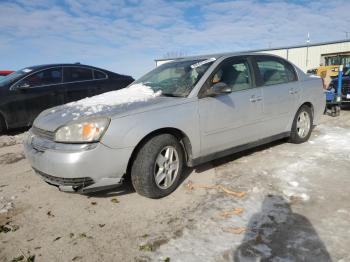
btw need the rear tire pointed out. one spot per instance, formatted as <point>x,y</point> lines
<point>158,165</point>
<point>302,125</point>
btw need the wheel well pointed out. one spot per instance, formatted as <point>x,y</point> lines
<point>3,120</point>
<point>181,136</point>
<point>311,107</point>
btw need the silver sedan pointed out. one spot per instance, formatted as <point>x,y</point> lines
<point>184,112</point>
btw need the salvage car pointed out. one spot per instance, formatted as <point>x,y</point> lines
<point>27,92</point>
<point>182,113</point>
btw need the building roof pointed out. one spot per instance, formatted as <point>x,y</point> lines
<point>258,50</point>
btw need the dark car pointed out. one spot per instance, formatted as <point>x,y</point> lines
<point>345,85</point>
<point>24,94</point>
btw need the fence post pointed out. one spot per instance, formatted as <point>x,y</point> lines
<point>340,79</point>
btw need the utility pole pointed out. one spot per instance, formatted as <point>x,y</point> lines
<point>346,34</point>
<point>307,49</point>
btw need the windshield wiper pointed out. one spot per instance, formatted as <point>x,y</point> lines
<point>170,95</point>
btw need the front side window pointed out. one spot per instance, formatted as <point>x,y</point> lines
<point>176,78</point>
<point>234,74</point>
<point>74,74</point>
<point>274,71</point>
<point>45,77</point>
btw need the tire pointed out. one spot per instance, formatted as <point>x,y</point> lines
<point>302,120</point>
<point>2,125</point>
<point>154,174</point>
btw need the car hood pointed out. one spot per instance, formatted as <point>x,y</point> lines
<point>98,106</point>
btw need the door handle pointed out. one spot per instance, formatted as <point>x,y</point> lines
<point>253,99</point>
<point>292,91</point>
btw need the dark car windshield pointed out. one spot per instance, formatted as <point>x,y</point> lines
<point>176,78</point>
<point>14,76</point>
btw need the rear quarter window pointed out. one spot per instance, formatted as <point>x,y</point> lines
<point>99,75</point>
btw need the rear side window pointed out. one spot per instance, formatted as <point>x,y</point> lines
<point>99,75</point>
<point>73,74</point>
<point>42,78</point>
<point>275,71</point>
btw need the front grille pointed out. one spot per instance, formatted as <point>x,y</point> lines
<point>43,133</point>
<point>62,181</point>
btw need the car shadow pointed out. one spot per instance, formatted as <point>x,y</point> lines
<point>233,157</point>
<point>276,233</point>
<point>127,188</point>
<point>345,106</point>
<point>16,131</point>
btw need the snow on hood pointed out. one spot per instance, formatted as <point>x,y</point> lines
<point>110,103</point>
<point>107,101</point>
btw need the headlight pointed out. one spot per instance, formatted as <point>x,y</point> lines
<point>89,130</point>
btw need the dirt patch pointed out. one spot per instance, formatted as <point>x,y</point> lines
<point>11,140</point>
<point>11,158</point>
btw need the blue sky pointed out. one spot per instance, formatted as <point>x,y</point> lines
<point>127,35</point>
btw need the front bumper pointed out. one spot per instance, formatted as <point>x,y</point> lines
<point>74,167</point>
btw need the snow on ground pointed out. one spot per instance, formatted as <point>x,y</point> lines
<point>136,93</point>
<point>273,230</point>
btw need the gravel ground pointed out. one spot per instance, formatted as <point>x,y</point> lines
<point>294,206</point>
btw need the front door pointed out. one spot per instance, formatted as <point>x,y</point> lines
<point>35,93</point>
<point>232,119</point>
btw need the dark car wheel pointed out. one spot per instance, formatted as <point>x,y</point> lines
<point>157,168</point>
<point>302,125</point>
<point>2,125</point>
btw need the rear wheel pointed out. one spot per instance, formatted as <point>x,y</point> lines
<point>157,168</point>
<point>302,125</point>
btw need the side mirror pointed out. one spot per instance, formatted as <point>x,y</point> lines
<point>219,88</point>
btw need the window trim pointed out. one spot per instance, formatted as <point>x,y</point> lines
<point>251,69</point>
<point>13,86</point>
<point>78,81</point>
<point>284,62</point>
<point>93,74</point>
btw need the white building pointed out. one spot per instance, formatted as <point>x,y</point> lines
<point>308,56</point>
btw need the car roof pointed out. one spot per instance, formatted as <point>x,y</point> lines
<point>35,67</point>
<point>222,55</point>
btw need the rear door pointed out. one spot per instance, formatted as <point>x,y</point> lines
<point>233,119</point>
<point>35,93</point>
<point>280,90</point>
<point>78,83</point>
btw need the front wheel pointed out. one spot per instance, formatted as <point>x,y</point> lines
<point>2,125</point>
<point>157,168</point>
<point>302,125</point>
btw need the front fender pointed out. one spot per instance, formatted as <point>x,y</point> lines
<point>128,131</point>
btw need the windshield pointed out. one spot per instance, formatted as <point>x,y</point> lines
<point>176,78</point>
<point>14,76</point>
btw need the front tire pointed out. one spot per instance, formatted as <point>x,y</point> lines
<point>158,165</point>
<point>302,125</point>
<point>2,125</point>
